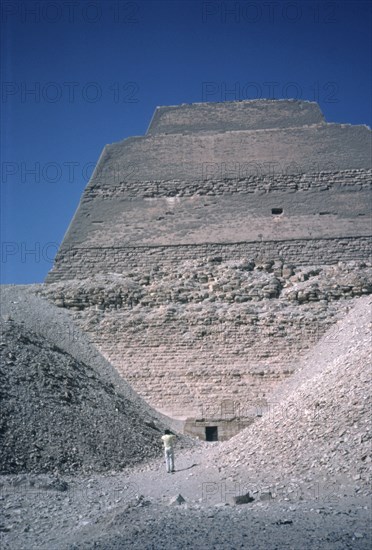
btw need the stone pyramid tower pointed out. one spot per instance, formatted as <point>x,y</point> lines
<point>267,183</point>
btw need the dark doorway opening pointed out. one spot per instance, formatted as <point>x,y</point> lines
<point>277,211</point>
<point>211,433</point>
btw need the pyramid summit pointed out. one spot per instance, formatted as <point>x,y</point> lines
<point>257,114</point>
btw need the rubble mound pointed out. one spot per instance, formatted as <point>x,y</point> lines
<point>317,426</point>
<point>64,410</point>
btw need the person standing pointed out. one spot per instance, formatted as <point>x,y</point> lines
<point>168,440</point>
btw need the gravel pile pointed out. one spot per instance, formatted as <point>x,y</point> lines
<point>317,426</point>
<point>64,408</point>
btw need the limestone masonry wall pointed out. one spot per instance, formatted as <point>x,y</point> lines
<point>332,204</point>
<point>226,179</point>
<point>77,262</point>
<point>203,334</point>
<point>305,149</point>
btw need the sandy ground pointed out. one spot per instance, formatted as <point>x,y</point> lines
<point>133,509</point>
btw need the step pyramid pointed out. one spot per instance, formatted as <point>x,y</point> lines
<point>208,255</point>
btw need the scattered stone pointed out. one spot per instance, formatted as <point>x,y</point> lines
<point>284,522</point>
<point>243,499</point>
<point>177,500</point>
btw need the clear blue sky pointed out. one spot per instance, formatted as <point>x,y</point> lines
<point>77,74</point>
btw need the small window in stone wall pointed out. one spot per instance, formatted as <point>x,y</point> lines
<point>276,211</point>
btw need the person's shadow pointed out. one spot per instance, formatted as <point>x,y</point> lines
<point>188,468</point>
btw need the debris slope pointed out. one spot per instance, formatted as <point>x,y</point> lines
<point>64,409</point>
<point>317,426</point>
